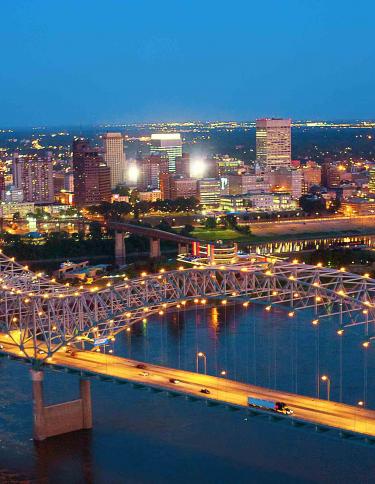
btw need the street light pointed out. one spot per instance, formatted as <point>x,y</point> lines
<point>328,380</point>
<point>200,354</point>
<point>223,373</point>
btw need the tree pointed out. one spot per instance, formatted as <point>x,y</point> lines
<point>121,190</point>
<point>230,221</point>
<point>95,230</point>
<point>312,203</point>
<point>210,223</point>
<point>187,230</point>
<point>165,226</point>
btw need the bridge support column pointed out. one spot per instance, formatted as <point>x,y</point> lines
<point>183,248</point>
<point>85,393</point>
<point>38,406</point>
<point>154,248</point>
<point>120,253</point>
<point>61,418</point>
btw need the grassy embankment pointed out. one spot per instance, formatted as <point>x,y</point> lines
<point>202,233</point>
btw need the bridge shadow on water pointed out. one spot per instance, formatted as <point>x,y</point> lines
<point>68,457</point>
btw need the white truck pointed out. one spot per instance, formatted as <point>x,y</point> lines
<point>279,407</point>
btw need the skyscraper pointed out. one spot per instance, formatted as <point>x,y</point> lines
<point>114,157</point>
<point>91,175</point>
<point>273,142</point>
<point>150,169</point>
<point>371,182</point>
<point>169,144</point>
<point>34,176</point>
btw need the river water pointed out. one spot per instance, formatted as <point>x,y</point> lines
<point>143,437</point>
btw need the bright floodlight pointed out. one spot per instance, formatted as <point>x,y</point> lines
<point>133,173</point>
<point>197,168</point>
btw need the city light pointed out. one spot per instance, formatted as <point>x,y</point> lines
<point>197,168</point>
<point>326,379</point>
<point>133,173</point>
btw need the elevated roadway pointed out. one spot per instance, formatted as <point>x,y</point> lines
<point>321,413</point>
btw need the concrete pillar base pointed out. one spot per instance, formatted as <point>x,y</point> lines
<point>120,253</point>
<point>52,420</point>
<point>155,248</point>
<point>183,248</point>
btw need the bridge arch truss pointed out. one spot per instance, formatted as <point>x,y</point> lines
<point>41,315</point>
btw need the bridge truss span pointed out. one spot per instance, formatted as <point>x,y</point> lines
<point>52,316</point>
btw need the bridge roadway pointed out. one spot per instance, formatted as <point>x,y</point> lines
<point>315,411</point>
<point>150,232</point>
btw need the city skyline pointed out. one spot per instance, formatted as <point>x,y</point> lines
<point>187,207</point>
<point>246,62</point>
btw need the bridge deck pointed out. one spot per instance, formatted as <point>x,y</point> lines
<point>150,232</point>
<point>307,409</point>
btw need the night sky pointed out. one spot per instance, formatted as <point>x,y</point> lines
<point>97,61</point>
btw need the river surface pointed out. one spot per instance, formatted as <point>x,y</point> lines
<point>143,437</point>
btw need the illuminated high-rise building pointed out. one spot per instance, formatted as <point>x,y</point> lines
<point>209,191</point>
<point>168,144</point>
<point>91,175</point>
<point>330,175</point>
<point>114,157</point>
<point>183,165</point>
<point>371,181</point>
<point>150,169</point>
<point>273,142</point>
<point>311,175</point>
<point>34,176</point>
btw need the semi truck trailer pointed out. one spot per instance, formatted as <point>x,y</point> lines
<point>279,407</point>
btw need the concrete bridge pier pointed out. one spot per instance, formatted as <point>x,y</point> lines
<point>120,253</point>
<point>61,418</point>
<point>183,248</point>
<point>154,248</point>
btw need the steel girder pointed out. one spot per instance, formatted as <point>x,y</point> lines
<point>53,315</point>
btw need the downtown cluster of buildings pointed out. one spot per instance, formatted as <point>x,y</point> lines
<point>273,183</point>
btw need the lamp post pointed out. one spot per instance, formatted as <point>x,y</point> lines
<point>200,354</point>
<point>328,380</point>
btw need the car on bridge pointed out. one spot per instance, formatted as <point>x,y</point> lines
<point>173,380</point>
<point>205,391</point>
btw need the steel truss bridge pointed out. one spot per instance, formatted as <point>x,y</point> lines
<point>42,316</point>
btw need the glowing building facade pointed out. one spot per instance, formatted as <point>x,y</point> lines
<point>114,157</point>
<point>168,144</point>
<point>273,142</point>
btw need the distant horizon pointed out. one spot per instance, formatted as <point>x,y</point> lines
<point>186,121</point>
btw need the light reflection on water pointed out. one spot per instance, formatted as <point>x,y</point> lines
<point>288,246</point>
<point>142,437</point>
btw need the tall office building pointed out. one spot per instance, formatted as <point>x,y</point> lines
<point>169,144</point>
<point>34,176</point>
<point>183,165</point>
<point>91,176</point>
<point>330,175</point>
<point>209,191</point>
<point>150,169</point>
<point>114,157</point>
<point>273,142</point>
<point>371,181</point>
<point>311,175</point>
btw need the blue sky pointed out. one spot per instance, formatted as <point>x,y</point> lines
<point>97,61</point>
